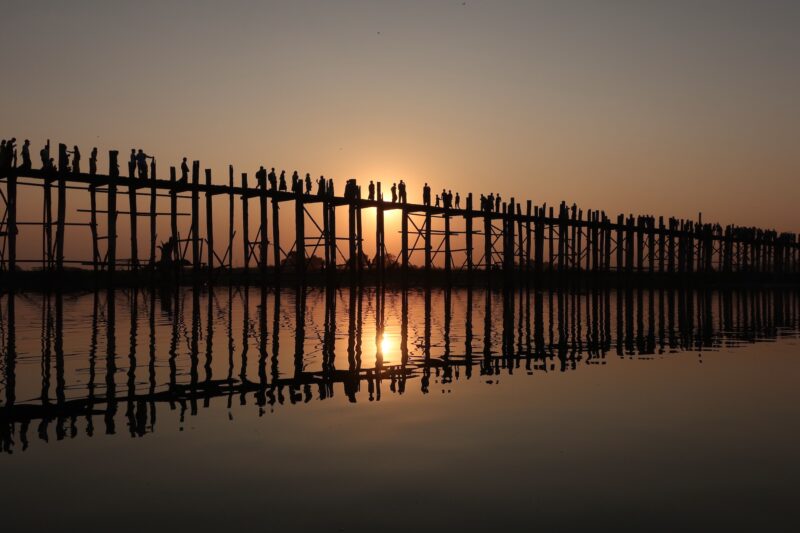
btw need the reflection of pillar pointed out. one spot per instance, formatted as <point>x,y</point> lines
<point>300,330</point>
<point>11,352</point>
<point>111,364</point>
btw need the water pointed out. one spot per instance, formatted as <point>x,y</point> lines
<point>365,411</point>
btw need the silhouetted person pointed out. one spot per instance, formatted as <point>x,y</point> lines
<point>141,163</point>
<point>93,162</point>
<point>402,188</point>
<point>295,179</point>
<point>184,171</point>
<point>3,153</point>
<point>437,200</point>
<point>497,204</point>
<point>321,186</point>
<point>26,155</point>
<point>261,176</point>
<point>458,201</point>
<point>44,155</point>
<point>371,190</point>
<point>132,161</point>
<point>308,183</point>
<point>394,193</point>
<point>426,195</point>
<point>490,202</point>
<point>273,180</point>
<point>282,185</point>
<point>76,160</point>
<point>11,149</point>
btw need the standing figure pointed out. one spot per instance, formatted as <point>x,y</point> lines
<point>497,203</point>
<point>273,180</point>
<point>437,200</point>
<point>426,194</point>
<point>394,193</point>
<point>93,162</point>
<point>26,155</point>
<point>261,177</point>
<point>44,155</point>
<point>490,202</point>
<point>308,183</point>
<point>321,186</point>
<point>141,163</point>
<point>76,160</point>
<point>458,201</point>
<point>184,171</point>
<point>371,190</point>
<point>295,179</point>
<point>282,185</point>
<point>402,187</point>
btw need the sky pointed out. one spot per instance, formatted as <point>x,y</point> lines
<point>664,108</point>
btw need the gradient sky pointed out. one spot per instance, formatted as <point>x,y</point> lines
<point>667,108</point>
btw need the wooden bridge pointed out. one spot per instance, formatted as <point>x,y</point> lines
<point>520,240</point>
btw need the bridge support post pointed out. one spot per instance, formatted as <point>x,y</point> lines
<point>209,227</point>
<point>468,236</point>
<point>300,233</point>
<point>61,213</point>
<point>196,259</point>
<point>133,215</point>
<point>263,243</point>
<point>113,174</point>
<point>173,221</point>
<point>404,243</point>
<point>245,225</point>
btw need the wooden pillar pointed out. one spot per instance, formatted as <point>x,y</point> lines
<point>528,234</point>
<point>263,243</point>
<point>427,241</point>
<point>551,238</point>
<point>93,226</point>
<point>640,244</point>
<point>620,242</point>
<point>578,243</point>
<point>331,214</point>
<point>47,222</point>
<point>196,259</point>
<point>231,213</point>
<point>113,173</point>
<point>468,236</point>
<point>11,220</point>
<point>380,250</point>
<point>404,242</point>
<point>487,242</point>
<point>61,213</point>
<point>538,237</point>
<point>152,213</point>
<point>300,233</point>
<point>520,244</point>
<point>245,224</point>
<point>359,242</point>
<point>351,237</point>
<point>276,237</point>
<point>133,214</point>
<point>209,226</point>
<point>661,243</point>
<point>173,219</point>
<point>562,236</point>
<point>448,259</point>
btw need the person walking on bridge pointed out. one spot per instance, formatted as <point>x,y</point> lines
<point>394,193</point>
<point>402,189</point>
<point>184,172</point>
<point>321,186</point>
<point>76,160</point>
<point>458,201</point>
<point>261,177</point>
<point>141,163</point>
<point>371,190</point>
<point>308,183</point>
<point>497,203</point>
<point>44,155</point>
<point>282,185</point>
<point>93,162</point>
<point>273,180</point>
<point>426,195</point>
<point>26,155</point>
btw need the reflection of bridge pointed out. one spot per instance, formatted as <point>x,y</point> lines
<point>518,239</point>
<point>534,331</point>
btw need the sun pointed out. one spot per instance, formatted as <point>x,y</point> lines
<point>386,345</point>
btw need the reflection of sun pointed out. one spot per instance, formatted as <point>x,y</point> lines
<point>386,345</point>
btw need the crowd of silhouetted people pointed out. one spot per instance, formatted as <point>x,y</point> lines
<point>142,165</point>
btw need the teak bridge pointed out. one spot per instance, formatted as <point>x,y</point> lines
<point>520,240</point>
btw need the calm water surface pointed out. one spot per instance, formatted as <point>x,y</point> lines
<point>432,410</point>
